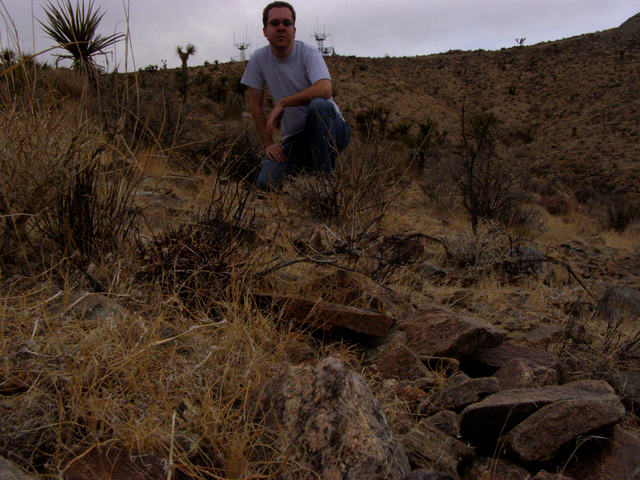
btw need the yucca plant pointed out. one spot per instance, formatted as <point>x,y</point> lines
<point>184,55</point>
<point>75,30</point>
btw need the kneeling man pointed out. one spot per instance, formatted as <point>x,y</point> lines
<point>299,82</point>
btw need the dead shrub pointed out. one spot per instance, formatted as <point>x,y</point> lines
<point>195,260</point>
<point>94,213</point>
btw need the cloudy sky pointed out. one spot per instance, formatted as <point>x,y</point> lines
<point>357,27</point>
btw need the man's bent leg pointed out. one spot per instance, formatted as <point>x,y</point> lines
<point>326,133</point>
<point>271,172</point>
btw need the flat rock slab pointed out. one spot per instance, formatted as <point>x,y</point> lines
<point>428,447</point>
<point>499,356</point>
<point>439,332</point>
<point>541,436</point>
<point>331,425</point>
<point>459,394</point>
<point>483,422</point>
<point>326,316</point>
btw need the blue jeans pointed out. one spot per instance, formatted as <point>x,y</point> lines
<point>314,149</point>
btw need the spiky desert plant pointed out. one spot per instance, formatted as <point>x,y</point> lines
<point>75,30</point>
<point>184,54</point>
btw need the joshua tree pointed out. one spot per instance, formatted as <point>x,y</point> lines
<point>75,30</point>
<point>184,54</point>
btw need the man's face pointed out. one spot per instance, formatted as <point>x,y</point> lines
<point>280,30</point>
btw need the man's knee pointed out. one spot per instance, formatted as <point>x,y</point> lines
<point>320,106</point>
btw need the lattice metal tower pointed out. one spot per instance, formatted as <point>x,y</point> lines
<point>241,44</point>
<point>320,39</point>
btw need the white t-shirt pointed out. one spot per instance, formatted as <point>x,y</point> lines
<point>287,76</point>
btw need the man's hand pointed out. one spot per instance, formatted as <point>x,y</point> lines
<point>275,152</point>
<point>275,117</point>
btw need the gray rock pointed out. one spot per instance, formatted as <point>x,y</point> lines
<point>440,332</point>
<point>483,422</point>
<point>619,302</point>
<point>428,447</point>
<point>332,425</point>
<point>542,435</point>
<point>520,373</point>
<point>10,471</point>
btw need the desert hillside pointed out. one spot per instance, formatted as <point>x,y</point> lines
<point>460,300</point>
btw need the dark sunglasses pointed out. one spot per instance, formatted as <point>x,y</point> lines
<point>276,23</point>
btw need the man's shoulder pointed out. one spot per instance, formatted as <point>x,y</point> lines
<point>260,53</point>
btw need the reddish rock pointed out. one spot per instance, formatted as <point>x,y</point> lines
<point>332,425</point>
<point>439,332</point>
<point>483,422</point>
<point>400,362</point>
<point>542,435</point>
<point>499,356</point>
<point>544,475</point>
<point>520,373</point>
<point>326,316</point>
<point>460,393</point>
<point>428,447</point>
<point>495,468</point>
<point>445,421</point>
<point>617,458</point>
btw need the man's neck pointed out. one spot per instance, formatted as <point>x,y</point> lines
<point>282,54</point>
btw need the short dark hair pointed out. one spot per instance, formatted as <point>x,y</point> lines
<point>265,12</point>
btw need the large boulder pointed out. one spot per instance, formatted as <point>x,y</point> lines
<point>483,422</point>
<point>436,331</point>
<point>332,425</point>
<point>542,435</point>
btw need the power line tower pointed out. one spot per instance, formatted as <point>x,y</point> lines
<point>241,44</point>
<point>320,38</point>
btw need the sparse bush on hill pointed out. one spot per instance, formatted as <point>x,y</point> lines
<point>489,189</point>
<point>620,212</point>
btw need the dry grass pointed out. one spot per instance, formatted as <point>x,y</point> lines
<point>172,371</point>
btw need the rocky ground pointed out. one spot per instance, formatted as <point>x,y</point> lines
<point>385,342</point>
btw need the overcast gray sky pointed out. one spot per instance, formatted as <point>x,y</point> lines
<point>357,27</point>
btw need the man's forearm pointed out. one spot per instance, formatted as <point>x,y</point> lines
<point>320,89</point>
